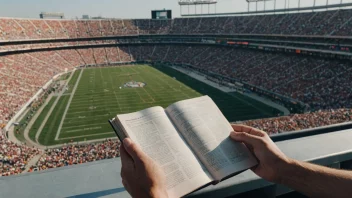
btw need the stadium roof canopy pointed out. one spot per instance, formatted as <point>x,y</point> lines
<point>281,10</point>
<point>196,2</point>
<point>102,178</point>
<point>253,1</point>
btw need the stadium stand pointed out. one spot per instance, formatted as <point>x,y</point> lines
<point>310,80</point>
<point>77,154</point>
<point>25,73</point>
<point>102,178</point>
<point>299,122</point>
<point>100,55</point>
<point>14,157</point>
<point>334,22</point>
<point>323,84</point>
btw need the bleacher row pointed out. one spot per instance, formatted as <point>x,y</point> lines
<point>335,22</point>
<point>324,84</point>
<point>22,75</point>
<point>298,122</point>
<point>321,83</point>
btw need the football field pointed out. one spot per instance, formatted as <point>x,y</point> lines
<point>98,94</point>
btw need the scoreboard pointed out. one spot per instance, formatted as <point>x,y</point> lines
<point>161,14</point>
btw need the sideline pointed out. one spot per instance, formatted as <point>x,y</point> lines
<point>37,135</point>
<point>68,104</point>
<point>29,141</point>
<point>11,133</point>
<point>228,90</point>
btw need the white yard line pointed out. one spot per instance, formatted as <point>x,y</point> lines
<point>179,83</point>
<point>51,110</point>
<point>83,129</point>
<point>30,124</point>
<point>78,126</point>
<point>68,105</point>
<point>72,137</point>
<point>83,106</point>
<point>84,117</point>
<point>112,86</point>
<point>98,98</point>
<point>85,121</point>
<point>137,103</point>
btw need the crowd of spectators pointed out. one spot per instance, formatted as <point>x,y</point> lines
<point>17,29</point>
<point>22,75</point>
<point>320,83</point>
<point>77,154</point>
<point>13,157</point>
<point>100,55</point>
<point>324,84</point>
<point>299,122</point>
<point>333,22</point>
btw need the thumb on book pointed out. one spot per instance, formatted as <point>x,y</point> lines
<point>133,150</point>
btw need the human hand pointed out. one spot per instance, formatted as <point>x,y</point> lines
<point>140,175</point>
<point>270,157</point>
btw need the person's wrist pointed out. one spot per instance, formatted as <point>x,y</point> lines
<point>158,192</point>
<point>283,168</point>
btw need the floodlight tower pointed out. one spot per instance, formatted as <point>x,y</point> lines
<point>189,3</point>
<point>256,4</point>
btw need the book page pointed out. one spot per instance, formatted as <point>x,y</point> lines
<point>207,131</point>
<point>154,132</point>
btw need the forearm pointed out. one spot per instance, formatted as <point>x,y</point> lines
<point>316,181</point>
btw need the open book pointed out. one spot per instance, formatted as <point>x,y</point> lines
<point>189,140</point>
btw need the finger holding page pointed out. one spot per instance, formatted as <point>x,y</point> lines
<point>152,136</point>
<point>270,157</point>
<point>207,131</point>
<point>189,141</point>
<point>247,129</point>
<point>249,139</point>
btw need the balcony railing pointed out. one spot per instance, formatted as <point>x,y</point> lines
<point>103,178</point>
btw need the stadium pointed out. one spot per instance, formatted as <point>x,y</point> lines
<point>287,73</point>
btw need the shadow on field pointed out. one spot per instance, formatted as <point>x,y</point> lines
<point>234,106</point>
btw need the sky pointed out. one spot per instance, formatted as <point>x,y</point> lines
<point>130,8</point>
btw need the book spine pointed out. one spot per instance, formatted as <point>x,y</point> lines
<point>116,130</point>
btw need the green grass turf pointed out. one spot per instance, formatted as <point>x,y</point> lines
<point>99,98</point>
<point>73,81</point>
<point>65,76</point>
<point>37,123</point>
<point>235,106</point>
<point>47,136</point>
